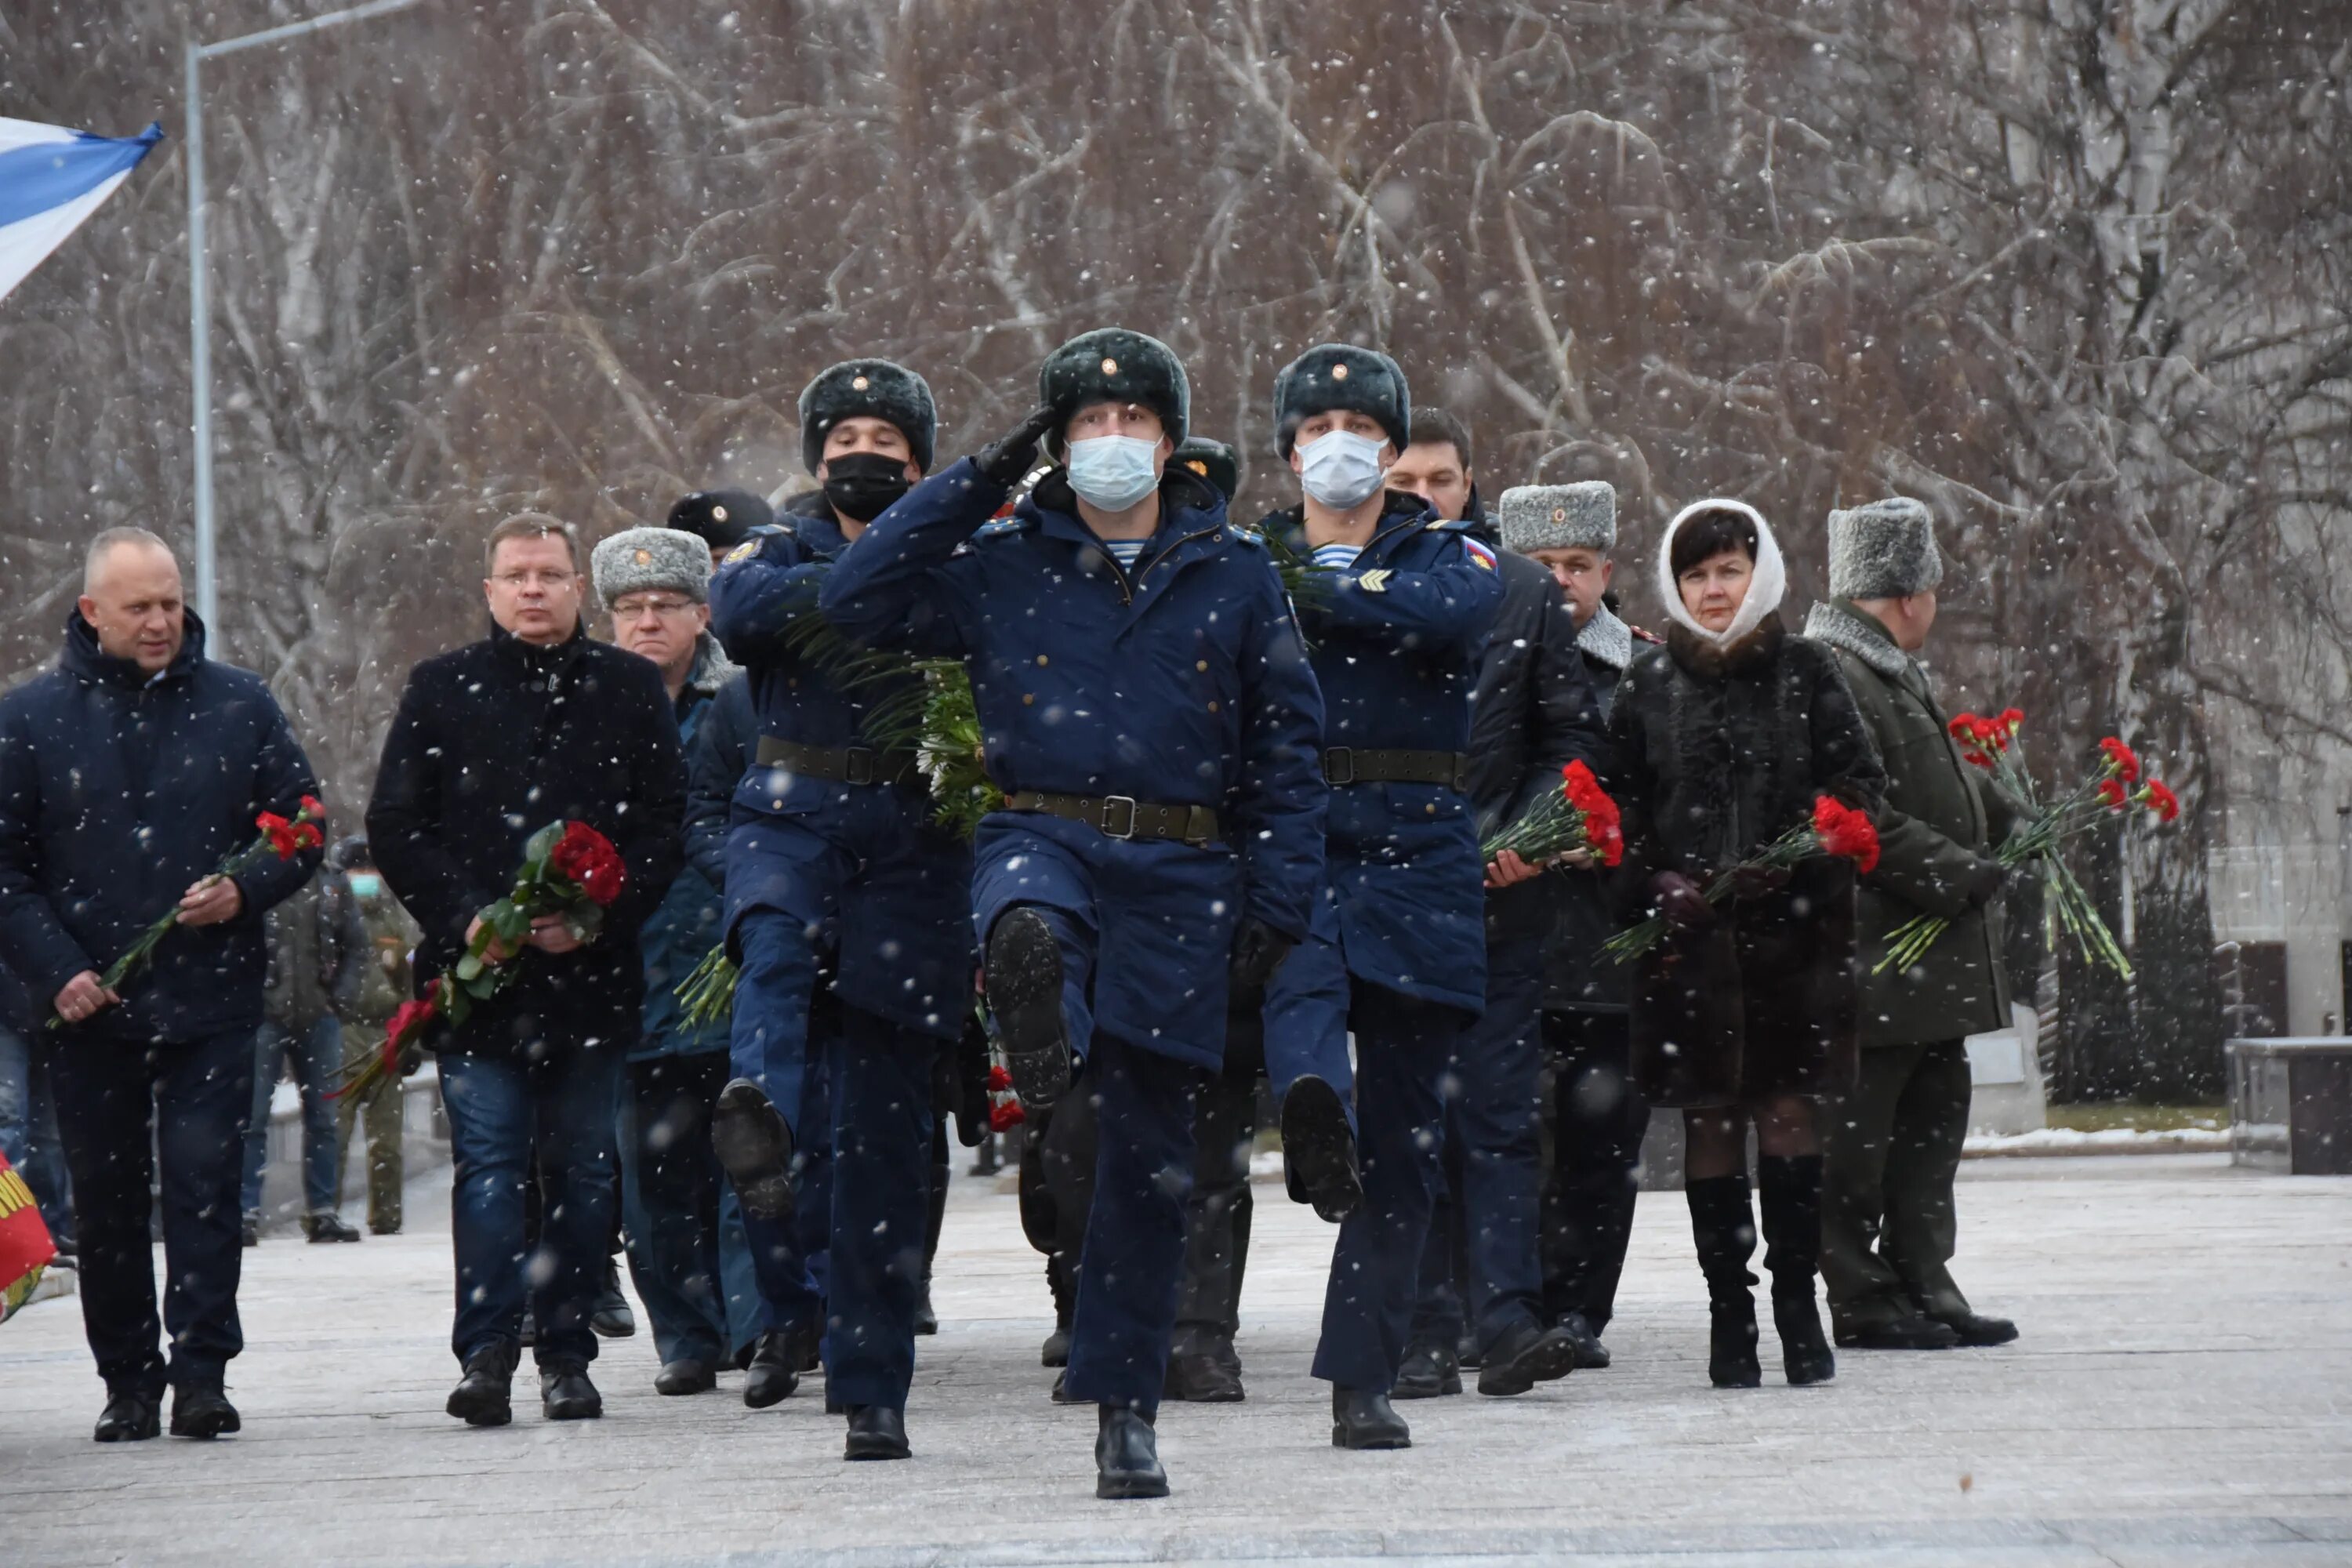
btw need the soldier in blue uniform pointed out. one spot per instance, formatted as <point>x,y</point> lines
<point>835,867</point>
<point>1397,611</point>
<point>1147,709</point>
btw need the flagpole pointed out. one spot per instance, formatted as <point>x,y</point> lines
<point>200,357</point>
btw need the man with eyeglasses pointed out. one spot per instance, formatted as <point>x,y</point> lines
<point>687,1251</point>
<point>493,742</point>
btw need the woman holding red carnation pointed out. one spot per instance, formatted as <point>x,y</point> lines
<point>1720,743</point>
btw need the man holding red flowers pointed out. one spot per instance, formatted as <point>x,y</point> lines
<point>128,774</point>
<point>492,742</point>
<point>1892,1145</point>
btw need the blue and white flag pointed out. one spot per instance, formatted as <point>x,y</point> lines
<point>51,179</point>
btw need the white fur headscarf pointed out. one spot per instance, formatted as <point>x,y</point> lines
<point>1765,591</point>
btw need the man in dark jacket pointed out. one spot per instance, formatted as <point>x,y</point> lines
<point>1892,1145</point>
<point>128,774</point>
<point>687,1250</point>
<point>1532,714</point>
<point>1597,1116</point>
<point>1152,720</point>
<point>318,947</point>
<point>493,742</point>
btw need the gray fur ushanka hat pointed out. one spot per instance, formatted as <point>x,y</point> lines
<point>637,559</point>
<point>1883,550</point>
<point>1582,516</point>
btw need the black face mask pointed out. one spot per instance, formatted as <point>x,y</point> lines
<point>861,486</point>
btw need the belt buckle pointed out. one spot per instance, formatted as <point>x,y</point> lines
<point>856,765</point>
<point>1339,765</point>
<point>1109,801</point>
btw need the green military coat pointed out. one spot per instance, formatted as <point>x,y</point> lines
<point>1940,815</point>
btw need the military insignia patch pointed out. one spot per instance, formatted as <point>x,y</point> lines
<point>1375,581</point>
<point>1479,553</point>
<point>743,551</point>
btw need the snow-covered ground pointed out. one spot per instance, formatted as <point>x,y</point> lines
<point>2182,1395</point>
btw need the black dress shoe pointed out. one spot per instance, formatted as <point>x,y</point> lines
<point>1524,1356</point>
<point>328,1225</point>
<point>685,1375</point>
<point>1024,974</point>
<point>1362,1419</point>
<point>249,1231</point>
<point>754,1148</point>
<point>1318,1150</point>
<point>1428,1373</point>
<point>1915,1331</point>
<point>1974,1328</point>
<point>877,1432</point>
<point>1590,1354</point>
<point>566,1394</point>
<point>1127,1456</point>
<point>1055,1351</point>
<point>483,1396</point>
<point>129,1418</point>
<point>774,1372</point>
<point>199,1409</point>
<point>926,1318</point>
<point>1201,1377</point>
<point>611,1317</point>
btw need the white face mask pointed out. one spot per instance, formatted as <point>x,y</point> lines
<point>1114,472</point>
<point>1341,469</point>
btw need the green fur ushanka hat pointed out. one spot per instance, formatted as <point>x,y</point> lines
<point>1341,376</point>
<point>1112,364</point>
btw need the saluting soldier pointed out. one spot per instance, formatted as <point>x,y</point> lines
<point>835,870</point>
<point>1149,711</point>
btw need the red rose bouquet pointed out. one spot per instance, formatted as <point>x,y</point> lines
<point>1834,830</point>
<point>570,870</point>
<point>283,837</point>
<point>2118,784</point>
<point>1577,815</point>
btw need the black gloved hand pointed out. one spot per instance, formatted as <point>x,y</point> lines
<point>1681,902</point>
<point>1004,462</point>
<point>1750,883</point>
<point>1258,951</point>
<point>1981,882</point>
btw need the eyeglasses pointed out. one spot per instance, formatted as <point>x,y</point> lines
<point>630,609</point>
<point>514,581</point>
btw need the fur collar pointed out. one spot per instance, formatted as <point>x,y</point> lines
<point>1606,638</point>
<point>711,668</point>
<point>1765,590</point>
<point>1701,654</point>
<point>1837,623</point>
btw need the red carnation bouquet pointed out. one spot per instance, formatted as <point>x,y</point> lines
<point>1834,830</point>
<point>284,837</point>
<point>1577,815</point>
<point>569,869</point>
<point>2117,785</point>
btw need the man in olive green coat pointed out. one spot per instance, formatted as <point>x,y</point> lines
<point>1888,1229</point>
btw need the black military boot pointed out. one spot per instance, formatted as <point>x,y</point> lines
<point>483,1397</point>
<point>1976,1330</point>
<point>566,1394</point>
<point>200,1408</point>
<point>774,1372</point>
<point>1429,1371</point>
<point>1055,1351</point>
<point>687,1374</point>
<point>1911,1331</point>
<point>1790,1195</point>
<point>1199,1374</point>
<point>131,1415</point>
<point>1525,1355</point>
<point>1126,1455</point>
<point>877,1432</point>
<point>754,1148</point>
<point>1362,1419</point>
<point>927,1317</point>
<point>1725,1230</point>
<point>1024,974</point>
<point>1318,1150</point>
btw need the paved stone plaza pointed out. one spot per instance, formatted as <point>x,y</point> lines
<point>2182,1395</point>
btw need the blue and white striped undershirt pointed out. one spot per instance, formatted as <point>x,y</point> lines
<point>1336,557</point>
<point>1126,552</point>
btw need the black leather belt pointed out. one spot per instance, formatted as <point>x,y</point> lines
<point>1362,765</point>
<point>841,764</point>
<point>1123,817</point>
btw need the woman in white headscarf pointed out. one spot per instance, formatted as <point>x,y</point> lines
<point>1719,742</point>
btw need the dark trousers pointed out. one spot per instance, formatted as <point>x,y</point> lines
<point>1130,1266</point>
<point>1482,1226</point>
<point>880,1074</point>
<point>119,1107</point>
<point>1217,1216</point>
<point>557,1113</point>
<point>687,1251</point>
<point>1892,1148</point>
<point>1401,1048</point>
<point>785,1018</point>
<point>1597,1119</point>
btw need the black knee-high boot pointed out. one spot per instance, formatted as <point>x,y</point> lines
<point>1790,1195</point>
<point>926,1318</point>
<point>1725,1231</point>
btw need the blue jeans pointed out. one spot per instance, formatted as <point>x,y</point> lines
<point>317,1056</point>
<point>687,1250</point>
<point>555,1115</point>
<point>28,1133</point>
<point>187,1102</point>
